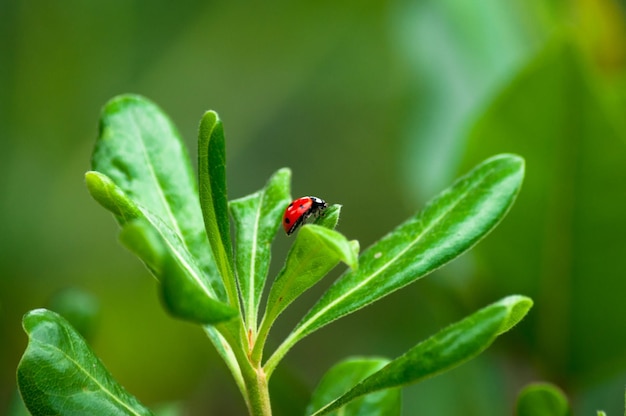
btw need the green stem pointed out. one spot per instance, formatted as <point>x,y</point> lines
<point>256,392</point>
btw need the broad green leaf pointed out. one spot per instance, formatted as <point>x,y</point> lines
<point>214,199</point>
<point>257,219</point>
<point>346,374</point>
<point>183,295</point>
<point>316,251</point>
<point>154,246</point>
<point>139,149</point>
<point>542,399</point>
<point>447,227</point>
<point>449,348</point>
<point>60,375</point>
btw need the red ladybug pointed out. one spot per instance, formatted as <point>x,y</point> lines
<point>299,210</point>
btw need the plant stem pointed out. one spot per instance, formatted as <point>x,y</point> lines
<point>255,380</point>
<point>258,392</point>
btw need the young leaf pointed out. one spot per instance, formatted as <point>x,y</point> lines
<point>449,348</point>
<point>316,251</point>
<point>151,247</point>
<point>60,375</point>
<point>542,399</point>
<point>330,217</point>
<point>184,298</point>
<point>449,225</point>
<point>139,149</point>
<point>257,218</point>
<point>183,295</point>
<point>214,199</point>
<point>343,376</point>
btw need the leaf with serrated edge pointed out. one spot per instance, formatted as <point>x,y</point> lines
<point>257,219</point>
<point>449,225</point>
<point>60,375</point>
<point>449,348</point>
<point>343,376</point>
<point>140,150</point>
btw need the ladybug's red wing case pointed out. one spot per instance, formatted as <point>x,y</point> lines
<point>299,210</point>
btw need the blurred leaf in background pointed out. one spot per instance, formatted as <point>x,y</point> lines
<point>374,105</point>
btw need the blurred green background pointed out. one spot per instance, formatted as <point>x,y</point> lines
<point>374,105</point>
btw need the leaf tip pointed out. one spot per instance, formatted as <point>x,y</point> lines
<point>518,306</point>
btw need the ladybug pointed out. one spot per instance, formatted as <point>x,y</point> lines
<point>300,210</point>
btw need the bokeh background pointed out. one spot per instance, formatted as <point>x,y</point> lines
<point>376,105</point>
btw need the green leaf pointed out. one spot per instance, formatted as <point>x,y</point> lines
<point>316,251</point>
<point>138,237</point>
<point>447,349</point>
<point>343,376</point>
<point>330,217</point>
<point>152,247</point>
<point>185,299</point>
<point>214,198</point>
<point>183,295</point>
<point>542,399</point>
<point>257,219</point>
<point>139,149</point>
<point>449,225</point>
<point>60,375</point>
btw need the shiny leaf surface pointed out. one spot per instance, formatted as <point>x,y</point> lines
<point>447,227</point>
<point>449,348</point>
<point>60,375</point>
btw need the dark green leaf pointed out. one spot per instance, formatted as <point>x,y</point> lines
<point>184,296</point>
<point>154,246</point>
<point>214,198</point>
<point>449,225</point>
<point>450,347</point>
<point>257,218</point>
<point>542,399</point>
<point>185,299</point>
<point>60,375</point>
<point>139,149</point>
<point>343,376</point>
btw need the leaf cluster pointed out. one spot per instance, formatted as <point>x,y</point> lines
<point>181,229</point>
